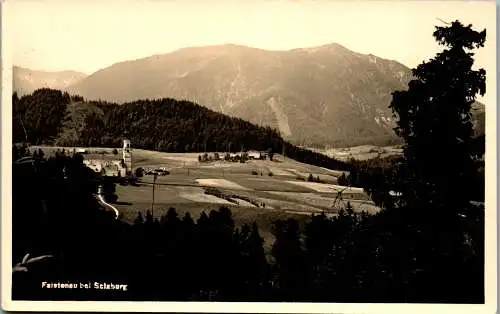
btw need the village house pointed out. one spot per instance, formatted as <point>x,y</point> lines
<point>253,154</point>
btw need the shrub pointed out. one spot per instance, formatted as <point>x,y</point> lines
<point>111,198</point>
<point>342,180</point>
<point>139,172</point>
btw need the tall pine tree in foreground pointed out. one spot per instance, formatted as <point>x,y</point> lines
<point>434,119</point>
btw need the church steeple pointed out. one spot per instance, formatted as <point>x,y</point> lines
<point>127,155</point>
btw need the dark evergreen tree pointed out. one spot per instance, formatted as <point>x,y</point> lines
<point>270,154</point>
<point>434,119</point>
<point>342,180</point>
<point>139,220</point>
<point>319,238</point>
<point>139,172</point>
<point>290,264</point>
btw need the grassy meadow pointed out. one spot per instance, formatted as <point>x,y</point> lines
<point>257,190</point>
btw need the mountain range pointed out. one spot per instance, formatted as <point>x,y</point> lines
<point>326,95</point>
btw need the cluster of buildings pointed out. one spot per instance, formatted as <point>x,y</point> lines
<point>112,165</point>
<point>120,165</point>
<point>252,155</point>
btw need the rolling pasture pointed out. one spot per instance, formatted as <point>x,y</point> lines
<point>258,190</point>
<point>363,152</point>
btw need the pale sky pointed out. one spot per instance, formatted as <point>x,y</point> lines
<point>89,35</point>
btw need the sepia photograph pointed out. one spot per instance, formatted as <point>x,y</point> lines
<point>249,156</point>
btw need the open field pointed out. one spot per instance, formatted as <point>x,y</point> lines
<point>363,152</point>
<point>247,189</point>
<point>220,183</point>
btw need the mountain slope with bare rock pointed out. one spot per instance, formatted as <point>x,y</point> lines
<point>326,95</point>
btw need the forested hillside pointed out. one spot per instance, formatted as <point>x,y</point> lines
<point>53,117</point>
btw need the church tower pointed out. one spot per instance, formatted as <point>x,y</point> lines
<point>127,155</point>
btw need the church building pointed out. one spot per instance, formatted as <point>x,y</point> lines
<point>114,165</point>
